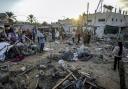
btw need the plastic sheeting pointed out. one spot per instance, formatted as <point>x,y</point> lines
<point>62,63</point>
<point>82,49</point>
<point>67,56</point>
<point>4,47</point>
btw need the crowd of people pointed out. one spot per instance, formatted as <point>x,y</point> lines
<point>78,35</point>
<point>22,41</point>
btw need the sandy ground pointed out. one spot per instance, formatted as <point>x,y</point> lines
<point>101,71</point>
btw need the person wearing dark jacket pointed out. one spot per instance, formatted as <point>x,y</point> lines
<point>117,52</point>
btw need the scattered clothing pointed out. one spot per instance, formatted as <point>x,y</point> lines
<point>67,56</point>
<point>75,57</point>
<point>83,53</point>
<point>62,63</point>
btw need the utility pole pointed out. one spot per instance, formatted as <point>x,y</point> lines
<point>101,6</point>
<point>87,14</point>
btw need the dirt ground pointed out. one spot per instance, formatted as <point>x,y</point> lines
<point>101,70</point>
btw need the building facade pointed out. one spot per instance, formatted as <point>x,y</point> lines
<point>99,21</point>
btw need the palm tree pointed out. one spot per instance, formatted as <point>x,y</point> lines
<point>31,18</point>
<point>11,17</point>
<point>44,23</point>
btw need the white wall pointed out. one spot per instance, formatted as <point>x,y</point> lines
<point>108,16</point>
<point>111,18</point>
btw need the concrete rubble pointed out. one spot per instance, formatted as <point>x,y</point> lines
<point>48,76</point>
<point>47,72</point>
<point>90,52</point>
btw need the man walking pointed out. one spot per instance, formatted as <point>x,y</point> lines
<point>117,52</point>
<point>73,36</point>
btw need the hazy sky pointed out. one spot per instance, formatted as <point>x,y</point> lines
<point>52,10</point>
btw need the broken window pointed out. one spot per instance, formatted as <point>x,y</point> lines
<point>112,19</point>
<point>89,20</point>
<point>116,20</point>
<point>111,30</point>
<point>121,20</point>
<point>101,20</point>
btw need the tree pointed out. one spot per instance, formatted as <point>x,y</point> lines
<point>44,23</point>
<point>11,17</point>
<point>31,19</point>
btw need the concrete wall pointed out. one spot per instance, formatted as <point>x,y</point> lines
<point>113,19</point>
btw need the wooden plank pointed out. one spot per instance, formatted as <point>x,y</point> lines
<point>67,86</point>
<point>91,84</point>
<point>84,81</point>
<point>55,87</point>
<point>72,74</point>
<point>90,87</point>
<point>28,70</point>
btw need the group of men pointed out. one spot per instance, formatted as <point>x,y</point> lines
<point>12,36</point>
<point>77,35</point>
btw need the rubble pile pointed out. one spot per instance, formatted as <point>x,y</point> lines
<point>45,76</point>
<point>79,81</point>
<point>55,51</point>
<point>102,53</point>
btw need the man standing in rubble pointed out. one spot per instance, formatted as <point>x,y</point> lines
<point>34,34</point>
<point>85,36</point>
<point>62,35</point>
<point>78,34</point>
<point>88,37</point>
<point>57,35</point>
<point>41,40</point>
<point>73,36</point>
<point>117,52</point>
<point>53,34</point>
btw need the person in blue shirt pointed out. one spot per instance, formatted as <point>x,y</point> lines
<point>41,41</point>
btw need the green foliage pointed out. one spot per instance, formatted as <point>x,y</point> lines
<point>31,18</point>
<point>11,17</point>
